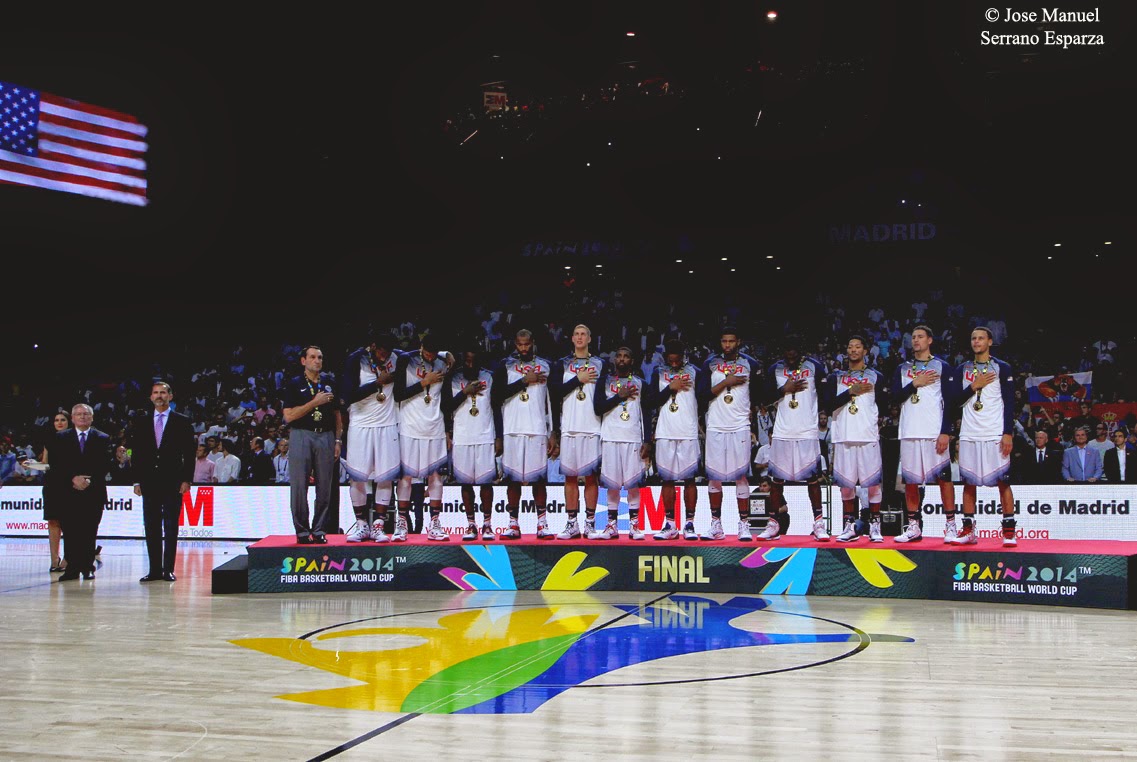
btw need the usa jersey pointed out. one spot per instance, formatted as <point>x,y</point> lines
<point>365,409</point>
<point>420,410</point>
<point>611,409</point>
<point>577,416</point>
<point>467,429</point>
<point>730,410</point>
<point>923,411</point>
<point>798,422</point>
<point>524,407</point>
<point>675,424</point>
<point>861,426</point>
<point>994,417</point>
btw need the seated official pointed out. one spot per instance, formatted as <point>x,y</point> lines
<point>1118,466</point>
<point>1081,464</point>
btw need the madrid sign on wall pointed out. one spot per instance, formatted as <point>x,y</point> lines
<point>1061,512</point>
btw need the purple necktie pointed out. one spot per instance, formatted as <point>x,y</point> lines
<point>82,440</point>
<point>158,419</point>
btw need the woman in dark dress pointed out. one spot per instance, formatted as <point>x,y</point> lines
<point>60,421</point>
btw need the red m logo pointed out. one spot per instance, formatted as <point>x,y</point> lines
<point>197,512</point>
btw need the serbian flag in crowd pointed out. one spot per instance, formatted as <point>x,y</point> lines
<point>65,145</point>
<point>1065,387</point>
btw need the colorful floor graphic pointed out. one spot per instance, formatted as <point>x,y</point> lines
<point>498,658</point>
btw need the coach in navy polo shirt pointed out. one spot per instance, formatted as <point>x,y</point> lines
<point>312,412</point>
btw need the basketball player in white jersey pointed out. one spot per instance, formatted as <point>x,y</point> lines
<point>671,396</point>
<point>795,452</point>
<point>728,385</point>
<point>985,389</point>
<point>473,425</point>
<point>520,391</point>
<point>422,434</point>
<point>854,397</point>
<point>918,386</point>
<point>623,442</point>
<point>572,388</point>
<point>372,455</point>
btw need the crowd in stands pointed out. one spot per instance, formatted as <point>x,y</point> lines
<point>233,400</point>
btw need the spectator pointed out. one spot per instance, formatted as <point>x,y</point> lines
<point>280,461</point>
<point>765,425</point>
<point>762,462</point>
<point>7,461</point>
<point>218,427</point>
<point>1118,466</point>
<point>1080,464</point>
<point>263,409</point>
<point>824,435</point>
<point>1039,463</point>
<point>258,465</point>
<point>213,449</point>
<point>1085,419</point>
<point>203,467</point>
<point>1101,442</point>
<point>122,473</point>
<point>235,412</point>
<point>228,469</point>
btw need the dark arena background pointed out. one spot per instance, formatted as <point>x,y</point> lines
<point>799,172</point>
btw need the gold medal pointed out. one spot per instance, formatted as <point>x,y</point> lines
<point>728,398</point>
<point>674,406</point>
<point>793,404</point>
<point>580,395</point>
<point>317,415</point>
<point>474,410</point>
<point>625,415</point>
<point>853,409</point>
<point>524,396</point>
<point>426,399</point>
<point>381,397</point>
<point>979,392</point>
<point>917,369</point>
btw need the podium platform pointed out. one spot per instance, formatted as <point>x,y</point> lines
<point>1080,573</point>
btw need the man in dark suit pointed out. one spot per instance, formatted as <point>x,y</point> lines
<point>1118,464</point>
<point>80,462</point>
<point>1039,464</point>
<point>163,451</point>
<point>257,464</point>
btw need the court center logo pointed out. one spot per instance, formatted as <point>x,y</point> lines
<point>503,658</point>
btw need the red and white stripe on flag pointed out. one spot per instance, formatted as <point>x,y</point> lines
<point>66,145</point>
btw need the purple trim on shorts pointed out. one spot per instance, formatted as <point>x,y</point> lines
<point>932,476</point>
<point>611,484</point>
<point>433,468</point>
<point>728,476</point>
<point>801,476</point>
<point>535,475</point>
<point>990,480</point>
<point>355,475</point>
<point>869,481</point>
<point>586,470</point>
<point>671,476</point>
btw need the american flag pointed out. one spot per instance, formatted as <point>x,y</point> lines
<point>66,145</point>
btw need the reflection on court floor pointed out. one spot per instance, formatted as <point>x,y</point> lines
<point>505,658</point>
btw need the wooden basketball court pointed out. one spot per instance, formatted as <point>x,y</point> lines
<point>114,669</point>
